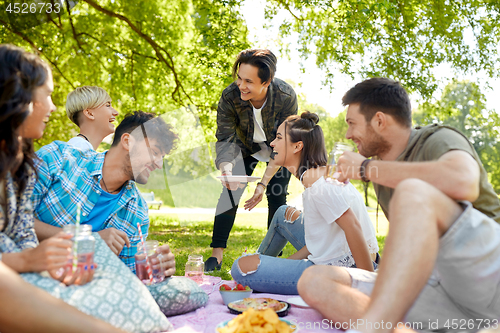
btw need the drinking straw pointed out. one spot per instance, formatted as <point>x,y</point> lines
<point>146,254</point>
<point>75,242</point>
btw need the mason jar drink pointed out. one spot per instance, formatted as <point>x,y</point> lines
<point>194,268</point>
<point>141,262</point>
<point>85,244</point>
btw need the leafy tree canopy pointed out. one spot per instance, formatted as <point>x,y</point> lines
<point>404,40</point>
<point>462,106</point>
<point>151,55</point>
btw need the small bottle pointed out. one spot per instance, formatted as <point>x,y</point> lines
<point>194,268</point>
<point>85,244</point>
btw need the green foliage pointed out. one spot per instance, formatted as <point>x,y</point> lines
<point>334,130</point>
<point>463,106</point>
<point>403,40</point>
<point>151,55</point>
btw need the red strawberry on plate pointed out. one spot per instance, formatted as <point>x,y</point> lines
<point>240,287</point>
<point>225,287</point>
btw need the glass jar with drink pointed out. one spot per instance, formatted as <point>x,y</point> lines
<point>83,244</point>
<point>194,268</point>
<point>333,158</point>
<point>142,262</point>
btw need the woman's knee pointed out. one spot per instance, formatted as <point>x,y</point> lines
<point>291,214</point>
<point>245,265</point>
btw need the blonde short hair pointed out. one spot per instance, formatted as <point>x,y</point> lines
<point>82,98</point>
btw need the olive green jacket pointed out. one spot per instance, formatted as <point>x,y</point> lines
<point>235,124</point>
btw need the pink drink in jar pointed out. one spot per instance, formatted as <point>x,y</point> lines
<point>194,268</point>
<point>141,268</point>
<point>85,244</point>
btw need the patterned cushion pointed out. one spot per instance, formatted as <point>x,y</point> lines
<point>178,295</point>
<point>115,294</point>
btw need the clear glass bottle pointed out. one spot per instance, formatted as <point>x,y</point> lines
<point>194,268</point>
<point>85,244</point>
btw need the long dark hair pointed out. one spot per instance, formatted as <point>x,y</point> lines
<point>20,73</point>
<point>305,128</point>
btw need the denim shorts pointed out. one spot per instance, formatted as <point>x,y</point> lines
<point>463,292</point>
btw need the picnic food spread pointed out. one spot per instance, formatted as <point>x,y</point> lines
<point>252,321</point>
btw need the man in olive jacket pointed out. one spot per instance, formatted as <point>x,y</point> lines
<point>248,115</point>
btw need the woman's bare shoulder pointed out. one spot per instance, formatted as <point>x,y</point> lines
<point>312,175</point>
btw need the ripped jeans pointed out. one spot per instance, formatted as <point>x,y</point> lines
<point>283,229</point>
<point>277,275</point>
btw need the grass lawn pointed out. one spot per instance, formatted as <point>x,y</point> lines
<point>194,237</point>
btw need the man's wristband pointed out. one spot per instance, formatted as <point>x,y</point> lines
<point>362,170</point>
<point>261,183</point>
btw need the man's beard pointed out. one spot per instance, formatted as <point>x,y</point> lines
<point>375,144</point>
<point>139,178</point>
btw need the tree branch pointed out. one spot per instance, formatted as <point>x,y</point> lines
<point>115,50</point>
<point>157,48</point>
<point>75,36</point>
<point>37,50</point>
<point>287,7</point>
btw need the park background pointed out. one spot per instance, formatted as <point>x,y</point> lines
<point>174,58</point>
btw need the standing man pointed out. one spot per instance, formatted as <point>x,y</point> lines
<point>441,263</point>
<point>248,115</point>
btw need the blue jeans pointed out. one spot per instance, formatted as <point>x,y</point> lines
<point>282,231</point>
<point>277,275</point>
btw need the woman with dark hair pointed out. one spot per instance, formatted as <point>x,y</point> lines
<point>334,229</point>
<point>25,106</point>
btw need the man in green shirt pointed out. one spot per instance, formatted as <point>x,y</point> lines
<point>425,179</point>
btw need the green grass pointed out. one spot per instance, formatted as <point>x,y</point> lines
<point>195,237</point>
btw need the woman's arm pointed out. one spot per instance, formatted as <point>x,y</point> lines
<point>355,239</point>
<point>300,254</point>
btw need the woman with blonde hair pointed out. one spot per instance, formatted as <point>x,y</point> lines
<point>89,107</point>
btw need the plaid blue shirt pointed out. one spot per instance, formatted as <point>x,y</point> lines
<point>67,176</point>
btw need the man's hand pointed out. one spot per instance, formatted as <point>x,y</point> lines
<point>348,166</point>
<point>165,260</point>
<point>257,197</point>
<point>232,186</point>
<point>115,239</point>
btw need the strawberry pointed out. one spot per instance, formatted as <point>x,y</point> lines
<point>225,287</point>
<point>240,287</point>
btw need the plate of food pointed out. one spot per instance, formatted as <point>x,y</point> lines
<point>281,308</point>
<point>241,179</point>
<point>253,321</point>
<point>298,302</point>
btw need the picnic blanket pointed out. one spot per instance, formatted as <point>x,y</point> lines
<point>205,319</point>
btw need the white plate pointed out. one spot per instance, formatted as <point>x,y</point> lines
<point>241,179</point>
<point>298,301</point>
<point>224,323</point>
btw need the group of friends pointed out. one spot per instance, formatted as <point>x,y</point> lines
<point>441,262</point>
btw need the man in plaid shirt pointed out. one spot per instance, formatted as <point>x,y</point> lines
<point>104,185</point>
